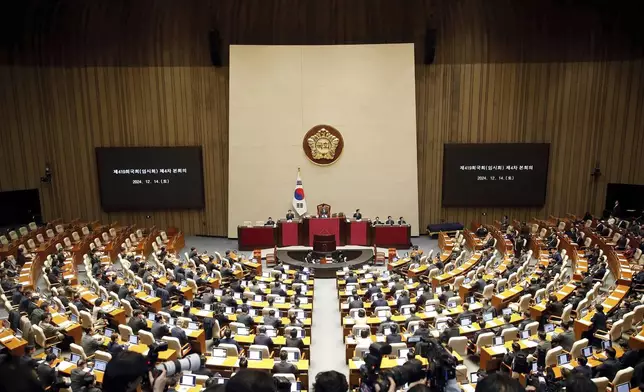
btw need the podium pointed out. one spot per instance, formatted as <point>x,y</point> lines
<point>288,233</point>
<point>324,243</point>
<point>358,233</point>
<point>313,226</point>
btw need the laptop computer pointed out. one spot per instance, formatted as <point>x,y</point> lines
<point>193,326</point>
<point>548,328</point>
<point>402,353</point>
<point>430,308</point>
<point>237,295</point>
<point>507,311</point>
<point>474,378</point>
<point>229,310</point>
<point>535,367</point>
<point>252,312</point>
<point>382,313</point>
<point>584,312</point>
<point>243,331</point>
<point>219,352</point>
<point>471,300</point>
<point>451,305</point>
<point>441,326</point>
<point>56,351</point>
<point>606,344</point>
<point>134,339</point>
<point>406,311</point>
<point>300,333</point>
<point>258,298</point>
<point>488,316</point>
<point>563,359</point>
<point>466,322</point>
<point>151,316</point>
<point>625,387</point>
<point>271,333</point>
<point>296,386</point>
<point>100,366</point>
<point>187,303</point>
<point>292,356</point>
<point>108,332</point>
<point>207,307</point>
<point>303,300</point>
<point>221,380</point>
<point>525,334</point>
<point>255,355</point>
<point>218,292</point>
<point>188,380</point>
<point>498,341</point>
<point>74,358</point>
<point>587,352</point>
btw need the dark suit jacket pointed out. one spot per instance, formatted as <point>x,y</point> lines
<point>586,371</point>
<point>379,302</point>
<point>264,340</point>
<point>179,334</point>
<point>356,304</point>
<point>297,342</point>
<point>159,330</point>
<point>284,367</point>
<point>245,319</point>
<point>78,379</point>
<point>137,325</point>
<point>599,323</point>
<point>274,321</point>
<point>230,341</point>
<point>608,369</point>
<point>114,348</point>
<point>394,338</point>
<point>46,374</point>
<point>403,300</point>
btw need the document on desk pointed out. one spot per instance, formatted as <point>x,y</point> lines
<point>497,350</point>
<point>64,365</point>
<point>529,343</point>
<point>6,339</point>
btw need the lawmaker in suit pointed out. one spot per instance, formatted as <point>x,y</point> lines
<point>244,317</point>
<point>89,343</point>
<point>180,334</point>
<point>283,366</point>
<point>324,213</point>
<point>159,328</point>
<point>376,221</point>
<point>289,216</point>
<point>357,215</point>
<point>389,221</point>
<point>263,339</point>
<point>609,367</point>
<point>227,339</point>
<point>583,368</point>
<point>269,222</point>
<point>401,221</point>
<point>293,341</point>
<point>48,375</point>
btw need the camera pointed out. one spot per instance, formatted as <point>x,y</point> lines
<point>440,370</point>
<point>191,362</point>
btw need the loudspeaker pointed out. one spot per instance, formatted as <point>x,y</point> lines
<point>214,41</point>
<point>430,46</point>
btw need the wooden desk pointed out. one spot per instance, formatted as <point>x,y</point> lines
<point>153,303</point>
<point>229,364</point>
<point>74,330</point>
<point>610,303</point>
<point>448,277</point>
<point>15,346</point>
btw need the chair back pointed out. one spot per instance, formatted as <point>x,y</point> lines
<point>601,382</point>
<point>615,332</point>
<point>146,337</point>
<point>261,348</point>
<point>40,238</point>
<point>459,345</point>
<point>532,327</point>
<point>33,226</point>
<point>396,347</point>
<point>78,350</point>
<point>628,321</point>
<point>639,314</point>
<point>510,334</point>
<point>551,356</point>
<point>524,302</point>
<point>539,295</point>
<point>174,344</point>
<point>360,350</point>
<point>356,330</point>
<point>231,349</point>
<point>86,319</point>
<point>102,356</point>
<point>577,346</point>
<point>458,281</point>
<point>623,376</point>
<point>39,336</point>
<point>125,331</point>
<point>50,233</point>
<point>484,339</point>
<point>488,291</point>
<point>565,316</point>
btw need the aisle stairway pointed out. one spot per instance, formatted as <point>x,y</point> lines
<point>327,346</point>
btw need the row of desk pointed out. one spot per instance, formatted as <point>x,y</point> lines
<point>347,232</point>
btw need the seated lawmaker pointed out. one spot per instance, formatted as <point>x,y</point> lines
<point>389,221</point>
<point>376,221</point>
<point>269,222</point>
<point>401,221</point>
<point>284,366</point>
<point>289,216</point>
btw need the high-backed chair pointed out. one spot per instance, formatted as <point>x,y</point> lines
<point>622,377</point>
<point>551,356</point>
<point>289,376</point>
<point>146,338</point>
<point>261,348</point>
<point>459,345</point>
<point>575,351</point>
<point>102,356</point>
<point>231,349</point>
<point>484,339</point>
<point>614,334</point>
<point>522,305</point>
<point>41,339</point>
<point>175,344</point>
<point>78,350</point>
<point>532,327</point>
<point>360,350</point>
<point>510,334</point>
<point>125,331</point>
<point>601,383</point>
<point>565,316</point>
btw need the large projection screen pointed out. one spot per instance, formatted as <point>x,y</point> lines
<point>278,93</point>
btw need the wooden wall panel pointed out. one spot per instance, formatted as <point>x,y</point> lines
<point>79,74</point>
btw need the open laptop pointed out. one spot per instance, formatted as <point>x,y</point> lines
<point>219,352</point>
<point>471,300</point>
<point>187,303</point>
<point>75,358</point>
<point>625,387</point>
<point>207,307</point>
<point>525,334</point>
<point>406,311</point>
<point>221,380</point>
<point>218,292</point>
<point>303,300</point>
<point>296,386</point>
<point>255,355</point>
<point>441,326</point>
<point>134,339</point>
<point>56,351</point>
<point>430,308</point>
<point>382,313</point>
<point>563,359</point>
<point>193,326</point>
<point>451,305</point>
<point>242,331</point>
<point>402,353</point>
<point>584,312</point>
<point>488,316</point>
<point>292,356</point>
<point>237,295</point>
<point>258,298</point>
<point>300,333</point>
<point>99,365</point>
<point>498,341</point>
<point>108,332</point>
<point>474,378</point>
<point>151,316</point>
<point>466,322</point>
<point>271,333</point>
<point>18,334</point>
<point>188,380</point>
<point>606,344</point>
<point>507,311</point>
<point>548,328</point>
<point>535,367</point>
<point>252,312</point>
<point>587,352</point>
<point>229,310</point>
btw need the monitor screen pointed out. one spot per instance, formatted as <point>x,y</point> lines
<point>488,316</point>
<point>548,328</point>
<point>193,326</point>
<point>292,356</point>
<point>562,359</point>
<point>271,333</point>
<point>219,353</point>
<point>606,344</point>
<point>134,339</point>
<point>74,358</point>
<point>535,366</point>
<point>466,322</point>
<point>188,380</point>
<point>56,351</point>
<point>587,351</point>
<point>474,378</point>
<point>257,298</point>
<point>74,318</point>
<point>503,174</point>
<point>151,316</point>
<point>108,332</point>
<point>402,353</point>
<point>150,178</point>
<point>100,365</point>
<point>498,340</point>
<point>242,331</point>
<point>430,308</point>
<point>451,304</point>
<point>525,334</point>
<point>506,311</point>
<point>207,307</point>
<point>255,355</point>
<point>625,387</point>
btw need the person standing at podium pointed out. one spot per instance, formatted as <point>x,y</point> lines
<point>389,221</point>
<point>324,213</point>
<point>357,215</point>
<point>289,216</point>
<point>401,221</point>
